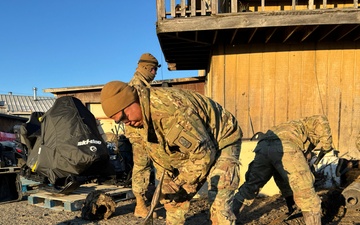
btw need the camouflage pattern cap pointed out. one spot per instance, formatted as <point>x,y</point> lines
<point>116,96</point>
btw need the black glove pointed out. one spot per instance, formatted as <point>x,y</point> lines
<point>290,204</point>
<point>237,205</point>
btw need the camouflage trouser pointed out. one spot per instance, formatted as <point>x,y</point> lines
<point>286,162</point>
<point>223,180</point>
<point>141,169</point>
<point>175,212</point>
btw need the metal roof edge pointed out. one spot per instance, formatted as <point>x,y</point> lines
<point>13,117</point>
<point>75,88</point>
<point>96,87</point>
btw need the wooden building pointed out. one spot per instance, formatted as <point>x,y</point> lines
<point>270,61</point>
<point>8,122</point>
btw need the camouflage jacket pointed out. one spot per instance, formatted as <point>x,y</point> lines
<point>309,133</point>
<point>141,78</point>
<point>189,128</point>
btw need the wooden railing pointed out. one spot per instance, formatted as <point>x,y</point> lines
<point>167,9</point>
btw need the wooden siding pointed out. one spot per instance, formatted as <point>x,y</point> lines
<point>191,83</point>
<point>7,122</point>
<point>86,97</point>
<point>264,85</point>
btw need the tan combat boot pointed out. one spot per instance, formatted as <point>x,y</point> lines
<point>311,218</point>
<point>140,209</point>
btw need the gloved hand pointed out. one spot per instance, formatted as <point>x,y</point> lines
<point>237,207</point>
<point>169,187</point>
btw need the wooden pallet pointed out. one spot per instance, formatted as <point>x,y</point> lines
<point>75,200</point>
<point>28,186</point>
<point>10,170</point>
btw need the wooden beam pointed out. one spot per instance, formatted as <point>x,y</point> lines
<point>177,36</point>
<point>245,20</point>
<point>215,36</point>
<point>270,34</point>
<point>328,32</point>
<point>252,35</point>
<point>345,32</point>
<point>308,33</point>
<point>233,36</point>
<point>357,38</point>
<point>290,31</point>
<point>171,66</point>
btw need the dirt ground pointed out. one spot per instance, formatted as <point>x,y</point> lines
<point>265,210</point>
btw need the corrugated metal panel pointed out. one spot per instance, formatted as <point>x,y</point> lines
<point>20,103</point>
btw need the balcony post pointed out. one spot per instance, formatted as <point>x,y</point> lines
<point>160,9</point>
<point>234,6</point>
<point>311,4</point>
<point>215,6</point>
<point>193,7</point>
<point>172,8</point>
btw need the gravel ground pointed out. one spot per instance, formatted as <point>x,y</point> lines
<point>265,210</point>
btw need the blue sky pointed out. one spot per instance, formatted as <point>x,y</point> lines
<point>66,43</point>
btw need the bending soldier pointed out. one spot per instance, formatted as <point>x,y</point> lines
<point>280,153</point>
<point>198,141</point>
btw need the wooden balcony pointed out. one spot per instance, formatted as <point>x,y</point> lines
<point>188,30</point>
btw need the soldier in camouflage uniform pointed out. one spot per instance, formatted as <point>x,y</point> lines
<point>280,153</point>
<point>144,74</point>
<point>198,141</point>
<point>146,71</point>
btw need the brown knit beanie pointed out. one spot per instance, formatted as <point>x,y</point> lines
<point>148,61</point>
<point>116,96</point>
